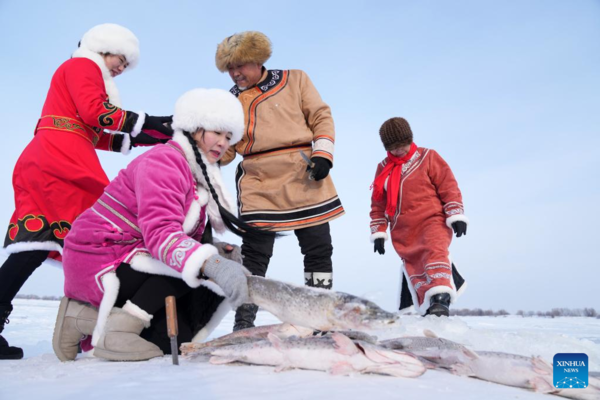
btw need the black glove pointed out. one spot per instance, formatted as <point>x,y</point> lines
<point>321,168</point>
<point>157,124</point>
<point>379,246</point>
<point>145,139</point>
<point>460,228</point>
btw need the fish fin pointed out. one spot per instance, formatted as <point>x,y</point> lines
<point>399,369</point>
<point>461,370</point>
<point>429,333</point>
<point>470,353</point>
<point>344,345</point>
<point>542,385</point>
<point>540,366</point>
<point>276,341</point>
<point>342,368</point>
<point>218,360</point>
<point>283,368</point>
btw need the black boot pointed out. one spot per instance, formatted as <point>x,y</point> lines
<point>7,352</point>
<point>245,316</point>
<point>323,280</point>
<point>439,305</point>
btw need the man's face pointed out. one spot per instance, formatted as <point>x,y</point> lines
<point>245,75</point>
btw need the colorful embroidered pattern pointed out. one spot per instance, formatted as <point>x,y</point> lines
<point>36,228</point>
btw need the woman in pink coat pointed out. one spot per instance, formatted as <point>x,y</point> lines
<point>141,242</point>
<point>416,194</point>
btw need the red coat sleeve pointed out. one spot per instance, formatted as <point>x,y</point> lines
<point>86,87</point>
<point>379,221</point>
<point>446,186</point>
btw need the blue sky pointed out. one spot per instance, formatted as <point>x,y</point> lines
<point>507,92</point>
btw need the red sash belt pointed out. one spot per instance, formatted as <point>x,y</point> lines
<point>66,124</point>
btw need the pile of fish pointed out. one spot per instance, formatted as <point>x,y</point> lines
<point>344,348</point>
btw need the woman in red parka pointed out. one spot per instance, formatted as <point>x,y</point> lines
<point>59,175</point>
<point>416,194</point>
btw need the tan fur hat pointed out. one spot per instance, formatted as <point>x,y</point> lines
<point>395,132</point>
<point>242,48</point>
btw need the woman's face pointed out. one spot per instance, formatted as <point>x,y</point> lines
<point>115,63</point>
<point>212,144</point>
<point>401,151</point>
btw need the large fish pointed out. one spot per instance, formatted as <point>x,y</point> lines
<point>320,309</point>
<point>443,352</point>
<point>336,354</point>
<point>248,335</point>
<point>520,371</point>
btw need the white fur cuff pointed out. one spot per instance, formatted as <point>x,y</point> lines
<point>126,145</point>
<point>192,266</point>
<point>379,235</point>
<point>137,128</point>
<point>457,217</point>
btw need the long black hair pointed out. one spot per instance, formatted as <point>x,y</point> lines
<point>235,225</point>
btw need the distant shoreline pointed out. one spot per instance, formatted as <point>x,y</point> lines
<point>461,312</point>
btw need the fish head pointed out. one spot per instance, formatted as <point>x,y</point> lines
<point>358,313</point>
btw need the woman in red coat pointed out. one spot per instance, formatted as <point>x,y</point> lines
<point>416,194</point>
<point>59,175</point>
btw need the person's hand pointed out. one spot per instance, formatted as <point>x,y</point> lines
<point>229,251</point>
<point>231,277</point>
<point>460,228</point>
<point>321,168</point>
<point>146,139</point>
<point>159,127</point>
<point>379,246</point>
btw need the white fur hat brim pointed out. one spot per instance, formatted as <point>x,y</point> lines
<point>113,39</point>
<point>210,109</point>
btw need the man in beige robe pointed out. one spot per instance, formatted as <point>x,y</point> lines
<point>277,188</point>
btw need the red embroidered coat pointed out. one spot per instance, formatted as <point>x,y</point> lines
<point>429,202</point>
<point>58,175</point>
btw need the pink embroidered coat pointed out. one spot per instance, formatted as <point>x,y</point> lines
<point>151,216</point>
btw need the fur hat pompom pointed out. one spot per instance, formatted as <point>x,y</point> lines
<point>210,109</point>
<point>242,48</point>
<point>113,39</point>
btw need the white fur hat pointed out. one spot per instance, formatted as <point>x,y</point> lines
<point>211,109</point>
<point>114,39</point>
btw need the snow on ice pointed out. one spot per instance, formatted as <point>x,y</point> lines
<point>42,376</point>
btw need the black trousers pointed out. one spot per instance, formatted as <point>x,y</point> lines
<point>148,292</point>
<point>315,245</point>
<point>15,271</point>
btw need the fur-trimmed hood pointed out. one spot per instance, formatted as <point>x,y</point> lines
<point>242,48</point>
<point>214,173</point>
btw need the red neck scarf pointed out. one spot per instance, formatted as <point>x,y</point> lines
<point>393,169</point>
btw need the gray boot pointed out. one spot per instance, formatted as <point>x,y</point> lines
<point>323,280</point>
<point>245,316</point>
<point>121,339</point>
<point>74,320</point>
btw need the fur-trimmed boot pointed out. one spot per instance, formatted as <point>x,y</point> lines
<point>74,321</point>
<point>7,352</point>
<point>121,339</point>
<point>439,305</point>
<point>323,280</point>
<point>245,316</point>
